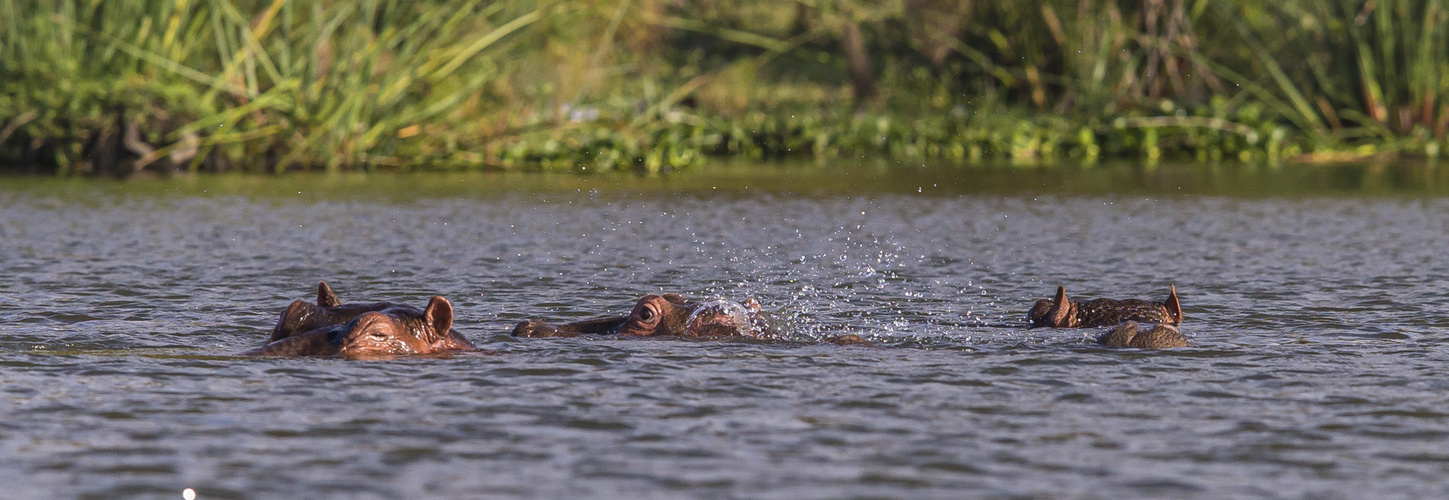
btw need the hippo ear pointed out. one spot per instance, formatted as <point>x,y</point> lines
<point>439,315</point>
<point>294,319</point>
<point>325,297</point>
<point>1060,307</point>
<point>676,299</point>
<point>1174,308</point>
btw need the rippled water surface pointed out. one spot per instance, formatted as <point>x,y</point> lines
<point>1315,298</point>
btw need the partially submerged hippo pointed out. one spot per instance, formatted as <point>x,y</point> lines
<point>302,316</point>
<point>666,315</point>
<point>394,330</point>
<point>1062,313</point>
<point>1130,334</point>
<point>675,316</point>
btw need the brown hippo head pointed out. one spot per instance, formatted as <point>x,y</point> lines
<point>301,316</point>
<point>1130,334</point>
<point>1063,313</point>
<point>1056,313</point>
<point>400,330</point>
<point>644,320</point>
<point>666,315</point>
<point>393,330</point>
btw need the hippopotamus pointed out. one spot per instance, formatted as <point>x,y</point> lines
<point>673,315</point>
<point>666,315</point>
<point>1062,313</point>
<point>393,330</point>
<point>302,316</point>
<point>1130,334</point>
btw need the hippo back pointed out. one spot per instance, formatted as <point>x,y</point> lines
<point>1104,312</point>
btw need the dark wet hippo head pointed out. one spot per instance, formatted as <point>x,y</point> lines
<point>1130,334</point>
<point>666,315</point>
<point>658,315</point>
<point>1063,313</point>
<point>400,330</point>
<point>1055,313</point>
<point>329,310</point>
<point>302,317</point>
<point>652,315</point>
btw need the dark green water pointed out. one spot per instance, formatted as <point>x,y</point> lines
<point>1314,296</point>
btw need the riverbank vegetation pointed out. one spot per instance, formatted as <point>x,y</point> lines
<point>275,85</point>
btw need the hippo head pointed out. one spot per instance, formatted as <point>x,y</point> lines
<point>1055,313</point>
<point>658,315</point>
<point>399,330</point>
<point>666,315</point>
<point>1063,313</point>
<point>302,316</point>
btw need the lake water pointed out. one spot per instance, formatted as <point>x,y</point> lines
<point>1315,298</point>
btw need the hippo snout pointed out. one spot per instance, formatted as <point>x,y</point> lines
<point>719,318</point>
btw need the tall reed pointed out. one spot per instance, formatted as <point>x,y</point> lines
<point>328,84</point>
<point>276,85</point>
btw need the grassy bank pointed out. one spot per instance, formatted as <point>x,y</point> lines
<point>217,85</point>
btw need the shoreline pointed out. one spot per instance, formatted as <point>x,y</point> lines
<point>693,141</point>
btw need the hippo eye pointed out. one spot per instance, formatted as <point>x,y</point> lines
<point>647,314</point>
<point>377,335</point>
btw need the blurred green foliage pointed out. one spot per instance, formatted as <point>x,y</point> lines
<point>118,86</point>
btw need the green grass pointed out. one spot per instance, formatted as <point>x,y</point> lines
<point>271,86</point>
